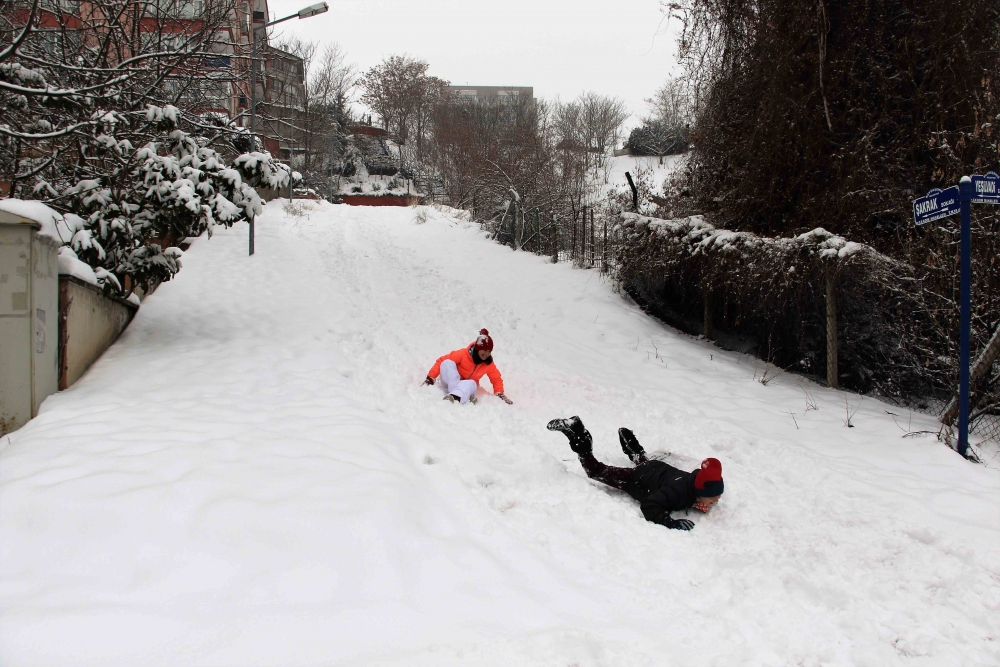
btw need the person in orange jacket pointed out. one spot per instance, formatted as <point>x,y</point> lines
<point>460,371</point>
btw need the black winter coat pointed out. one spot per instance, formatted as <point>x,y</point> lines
<point>661,489</point>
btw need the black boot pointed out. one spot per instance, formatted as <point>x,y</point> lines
<point>631,446</point>
<point>579,437</point>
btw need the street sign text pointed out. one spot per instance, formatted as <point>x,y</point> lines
<point>986,189</point>
<point>936,205</point>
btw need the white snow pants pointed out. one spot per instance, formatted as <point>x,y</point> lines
<point>455,385</point>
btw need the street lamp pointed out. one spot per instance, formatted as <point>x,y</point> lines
<point>305,13</point>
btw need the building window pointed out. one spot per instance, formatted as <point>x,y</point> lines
<point>65,6</point>
<point>50,42</point>
<point>191,9</point>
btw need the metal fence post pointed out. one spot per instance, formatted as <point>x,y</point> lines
<point>572,247</point>
<point>592,246</point>
<point>604,249</point>
<point>555,240</point>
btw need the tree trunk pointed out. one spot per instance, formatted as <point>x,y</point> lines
<point>832,361</point>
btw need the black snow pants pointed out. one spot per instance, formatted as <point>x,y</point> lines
<point>602,472</point>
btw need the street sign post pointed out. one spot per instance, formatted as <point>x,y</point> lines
<point>965,318</point>
<point>938,204</point>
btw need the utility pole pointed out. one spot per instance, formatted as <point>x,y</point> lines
<point>308,12</point>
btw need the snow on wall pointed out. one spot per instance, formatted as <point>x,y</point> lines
<point>696,233</point>
<point>53,224</point>
<point>70,265</point>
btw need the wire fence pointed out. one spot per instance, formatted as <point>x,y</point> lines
<point>585,237</point>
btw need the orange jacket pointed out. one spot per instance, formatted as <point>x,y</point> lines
<point>470,369</point>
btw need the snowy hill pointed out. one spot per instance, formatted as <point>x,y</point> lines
<point>658,168</point>
<point>253,475</point>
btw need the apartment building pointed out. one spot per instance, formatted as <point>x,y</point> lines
<point>487,94</point>
<point>222,86</point>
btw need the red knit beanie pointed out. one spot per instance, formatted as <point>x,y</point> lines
<point>708,481</point>
<point>484,342</point>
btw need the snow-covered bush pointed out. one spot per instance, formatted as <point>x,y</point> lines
<point>656,138</point>
<point>772,291</point>
<point>143,201</point>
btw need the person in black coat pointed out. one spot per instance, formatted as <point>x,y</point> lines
<point>659,487</point>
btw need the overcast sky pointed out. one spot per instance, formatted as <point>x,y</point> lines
<point>560,47</point>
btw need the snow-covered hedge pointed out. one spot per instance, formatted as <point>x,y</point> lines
<point>772,292</point>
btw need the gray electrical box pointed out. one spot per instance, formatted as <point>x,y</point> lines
<point>29,319</point>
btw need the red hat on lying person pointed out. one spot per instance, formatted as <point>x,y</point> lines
<point>484,342</point>
<point>708,481</point>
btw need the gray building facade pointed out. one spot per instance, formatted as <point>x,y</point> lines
<point>493,93</point>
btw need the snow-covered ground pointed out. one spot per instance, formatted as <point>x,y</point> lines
<point>658,169</point>
<point>254,475</point>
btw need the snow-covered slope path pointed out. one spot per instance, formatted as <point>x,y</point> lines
<point>253,475</point>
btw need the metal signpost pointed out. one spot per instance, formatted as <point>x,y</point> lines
<point>308,12</point>
<point>940,204</point>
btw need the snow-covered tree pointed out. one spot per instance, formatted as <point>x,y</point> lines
<point>129,219</point>
<point>97,120</point>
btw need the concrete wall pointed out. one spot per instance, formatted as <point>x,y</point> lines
<point>15,329</point>
<point>89,324</point>
<point>29,309</point>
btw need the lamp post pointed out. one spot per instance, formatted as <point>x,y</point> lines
<point>305,13</point>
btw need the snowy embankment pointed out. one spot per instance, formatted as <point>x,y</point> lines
<point>253,475</point>
<point>657,168</point>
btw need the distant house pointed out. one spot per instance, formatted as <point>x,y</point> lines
<point>487,94</point>
<point>366,129</point>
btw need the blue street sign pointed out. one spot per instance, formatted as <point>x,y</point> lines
<point>936,205</point>
<point>941,204</point>
<point>986,189</point>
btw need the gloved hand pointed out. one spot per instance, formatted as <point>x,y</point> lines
<point>505,399</point>
<point>429,380</point>
<point>678,524</point>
